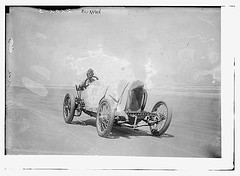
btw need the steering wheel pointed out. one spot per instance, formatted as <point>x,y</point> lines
<point>86,83</point>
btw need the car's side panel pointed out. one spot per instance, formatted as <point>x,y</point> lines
<point>123,98</point>
<point>92,95</point>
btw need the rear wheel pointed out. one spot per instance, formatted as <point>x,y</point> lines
<point>69,107</point>
<point>164,117</point>
<point>105,118</point>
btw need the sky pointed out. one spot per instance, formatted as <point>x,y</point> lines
<point>161,46</point>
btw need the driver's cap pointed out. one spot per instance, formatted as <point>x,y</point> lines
<point>90,72</point>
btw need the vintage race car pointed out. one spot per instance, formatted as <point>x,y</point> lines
<point>119,104</point>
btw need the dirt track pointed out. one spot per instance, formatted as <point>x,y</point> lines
<point>34,125</point>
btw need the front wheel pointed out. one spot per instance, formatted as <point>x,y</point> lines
<point>69,107</point>
<point>163,118</point>
<point>105,118</point>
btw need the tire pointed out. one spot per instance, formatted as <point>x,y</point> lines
<point>105,118</point>
<point>69,107</point>
<point>160,128</point>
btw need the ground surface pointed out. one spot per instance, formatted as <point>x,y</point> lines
<point>35,125</point>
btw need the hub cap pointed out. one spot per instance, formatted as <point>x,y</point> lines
<point>104,115</point>
<point>161,112</point>
<point>67,106</point>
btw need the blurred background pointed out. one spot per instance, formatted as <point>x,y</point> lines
<point>162,46</point>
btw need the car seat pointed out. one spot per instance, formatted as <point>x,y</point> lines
<point>137,97</point>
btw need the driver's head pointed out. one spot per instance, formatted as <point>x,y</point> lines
<point>90,72</point>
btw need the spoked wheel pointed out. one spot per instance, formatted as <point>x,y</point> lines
<point>163,118</point>
<point>105,118</point>
<point>69,107</point>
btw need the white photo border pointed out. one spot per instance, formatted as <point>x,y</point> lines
<point>98,163</point>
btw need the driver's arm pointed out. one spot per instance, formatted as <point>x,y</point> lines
<point>82,85</point>
<point>87,83</point>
